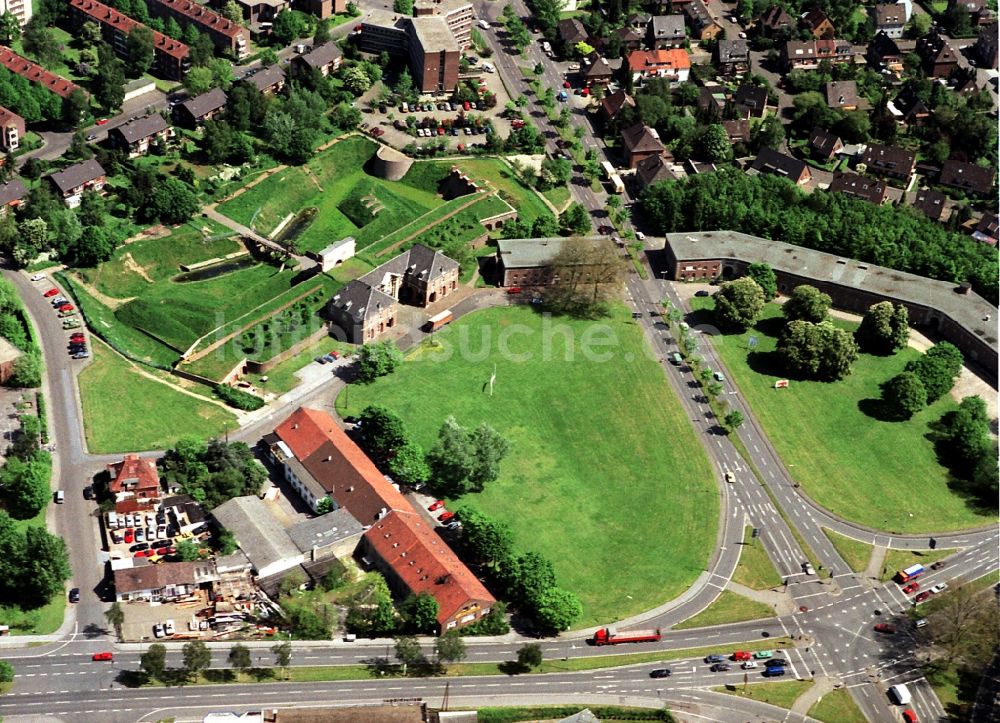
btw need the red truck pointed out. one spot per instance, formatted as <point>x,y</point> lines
<point>611,636</point>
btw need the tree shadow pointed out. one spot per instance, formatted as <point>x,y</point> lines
<point>512,667</point>
<point>262,674</point>
<point>174,676</point>
<point>93,631</point>
<point>219,675</point>
<point>132,678</point>
<point>879,410</point>
<point>769,363</point>
<point>771,326</point>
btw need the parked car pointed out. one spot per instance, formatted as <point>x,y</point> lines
<point>776,663</point>
<point>742,655</point>
<point>714,658</point>
<point>660,673</point>
<point>74,595</point>
<point>129,536</point>
<point>940,587</point>
<point>103,656</point>
<point>320,359</point>
<point>911,588</point>
<point>730,477</point>
<point>721,667</point>
<point>921,597</point>
<point>101,121</point>
<point>88,493</point>
<point>885,628</point>
<point>140,534</point>
<point>719,376</point>
<point>168,627</point>
<point>701,292</point>
<point>38,277</point>
<point>749,665</point>
<point>139,547</point>
<point>81,355</point>
<point>67,307</point>
<point>158,630</point>
<point>445,516</point>
<point>909,716</point>
<point>50,293</point>
<point>761,654</point>
<point>437,505</point>
<point>807,568</point>
<point>144,553</point>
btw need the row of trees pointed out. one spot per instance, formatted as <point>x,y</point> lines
<point>13,328</point>
<point>772,207</point>
<point>197,657</point>
<point>213,472</point>
<point>527,579</point>
<point>24,478</point>
<point>966,445</point>
<point>34,564</point>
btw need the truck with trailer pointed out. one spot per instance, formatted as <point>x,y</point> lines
<point>613,636</point>
<point>910,573</point>
<point>439,320</point>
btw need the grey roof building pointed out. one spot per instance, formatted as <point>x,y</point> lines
<point>945,308</point>
<point>770,161</point>
<point>325,57</point>
<point>202,107</point>
<point>72,181</point>
<point>332,534</point>
<point>732,55</point>
<point>667,31</point>
<point>967,176</point>
<point>11,192</point>
<point>653,170</point>
<point>359,303</point>
<point>267,80</point>
<point>930,203</point>
<point>259,535</point>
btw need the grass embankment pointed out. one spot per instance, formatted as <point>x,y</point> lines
<point>856,554</point>
<point>727,608</point>
<point>626,517</point>
<point>896,560</point>
<point>755,568</point>
<point>837,707</point>
<point>883,474</point>
<point>783,694</point>
<point>124,411</point>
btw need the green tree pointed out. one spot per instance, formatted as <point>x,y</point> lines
<point>231,11</point>
<point>451,459</point>
<point>884,328</point>
<point>26,485</point>
<point>10,28</point>
<point>449,648</point>
<point>40,42</point>
<point>78,148</point>
<point>172,28</point>
<point>966,435</point>
<point>529,655</point>
<point>488,450</point>
<point>765,278</point>
<point>739,303</point>
<point>770,134</point>
<point>197,657</point>
<point>75,107</point>
<point>47,567</point>
<point>187,550</point>
<point>403,7</point>
<point>356,80</point>
<point>174,202</point>
<point>287,27</point>
<point>408,650</point>
<point>557,609</point>
<point>139,51</point>
<point>820,351</point>
<point>108,84</point>
<point>938,369</point>
<point>282,655</point>
<point>488,540</point>
<point>420,612</point>
<point>385,431</point>
<point>6,670</point>
<point>409,464</point>
<point>714,145</point>
<point>154,661</point>
<point>322,34</point>
<point>239,658</point>
<point>575,220</point>
<point>806,303</point>
<point>378,359</point>
<point>733,419</point>
<point>198,80</point>
<point>115,617</point>
<point>904,395</point>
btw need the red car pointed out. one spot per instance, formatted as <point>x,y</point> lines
<point>436,505</point>
<point>102,121</point>
<point>885,628</point>
<point>912,587</point>
<point>921,597</point>
<point>909,716</point>
<point>50,293</point>
<point>585,92</point>
<point>514,290</point>
<point>335,354</point>
<point>445,516</point>
<point>166,550</point>
<point>566,84</point>
<point>129,534</point>
<point>742,655</point>
<point>66,307</point>
<point>144,553</point>
<point>103,656</point>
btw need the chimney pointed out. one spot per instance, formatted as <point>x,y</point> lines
<point>329,458</point>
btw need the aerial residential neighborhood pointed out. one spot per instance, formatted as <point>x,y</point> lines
<point>489,360</point>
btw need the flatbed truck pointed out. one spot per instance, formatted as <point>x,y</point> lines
<point>613,636</point>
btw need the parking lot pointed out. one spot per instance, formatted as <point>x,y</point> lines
<point>142,617</point>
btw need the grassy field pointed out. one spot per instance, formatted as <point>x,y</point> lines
<point>783,694</point>
<point>892,481</point>
<point>727,608</point>
<point>151,416</point>
<point>755,568</point>
<point>896,560</point>
<point>837,707</point>
<point>626,517</point>
<point>856,554</point>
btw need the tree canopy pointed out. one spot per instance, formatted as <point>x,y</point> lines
<point>806,303</point>
<point>884,328</point>
<point>377,359</point>
<point>938,369</point>
<point>739,303</point>
<point>213,472</point>
<point>766,279</point>
<point>819,351</point>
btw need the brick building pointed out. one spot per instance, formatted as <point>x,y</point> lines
<point>135,137</point>
<point>135,478</point>
<point>12,195</point>
<point>70,183</point>
<point>528,262</point>
<point>12,129</point>
<point>227,36</point>
<point>37,74</point>
<point>170,57</point>
<point>429,45</point>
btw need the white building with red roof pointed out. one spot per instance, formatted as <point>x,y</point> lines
<point>134,478</point>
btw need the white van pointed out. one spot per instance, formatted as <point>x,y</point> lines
<point>899,694</point>
<point>60,497</point>
<point>112,520</point>
<point>483,24</point>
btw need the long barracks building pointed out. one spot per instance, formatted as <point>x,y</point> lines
<point>226,35</point>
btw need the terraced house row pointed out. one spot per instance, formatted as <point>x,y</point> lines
<point>227,36</point>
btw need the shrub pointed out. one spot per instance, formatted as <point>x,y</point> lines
<point>237,398</point>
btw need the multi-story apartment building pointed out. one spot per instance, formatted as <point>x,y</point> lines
<point>37,74</point>
<point>11,129</point>
<point>226,35</point>
<point>170,57</point>
<point>428,42</point>
<point>459,15</point>
<point>20,9</point>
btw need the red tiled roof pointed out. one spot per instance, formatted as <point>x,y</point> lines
<point>36,73</point>
<point>427,565</point>
<point>339,465</point>
<point>8,116</point>
<point>134,473</point>
<point>675,58</point>
<point>123,23</point>
<point>208,19</point>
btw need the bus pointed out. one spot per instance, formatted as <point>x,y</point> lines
<point>910,573</point>
<point>608,169</point>
<point>617,185</point>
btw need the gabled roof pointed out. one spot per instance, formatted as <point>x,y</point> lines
<point>628,35</point>
<point>867,189</point>
<point>202,105</point>
<point>930,203</point>
<point>37,74</point>
<point>699,15</point>
<point>910,105</point>
<point>599,68</point>
<point>967,176</point>
<point>360,300</point>
<point>752,97</point>
<point>156,577</point>
<point>668,27</point>
<point>11,191</point>
<point>108,16</point>
<point>732,51</point>
<point>738,129</point>
<point>641,138</point>
<point>140,128</point>
<point>814,18</point>
<point>824,142</point>
<point>880,157</point>
<point>884,48</point>
<point>77,175</point>
<point>572,31</point>
<point>652,60</point>
<point>205,17</point>
<point>8,116</point>
<point>266,78</point>
<point>770,161</point>
<point>425,564</point>
<point>776,18</point>
<point>935,49</point>
<point>890,15</point>
<point>653,170</point>
<point>614,102</point>
<point>321,55</point>
<point>134,472</point>
<point>419,262</point>
<point>325,530</point>
<point>841,93</point>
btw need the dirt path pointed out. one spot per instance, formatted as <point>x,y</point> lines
<point>109,301</point>
<point>311,177</point>
<point>132,265</point>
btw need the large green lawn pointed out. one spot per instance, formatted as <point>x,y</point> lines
<point>782,694</point>
<point>150,416</point>
<point>605,476</point>
<point>882,474</point>
<point>729,607</point>
<point>837,706</point>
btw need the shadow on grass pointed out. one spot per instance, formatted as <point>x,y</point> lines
<point>512,667</point>
<point>221,675</point>
<point>879,410</point>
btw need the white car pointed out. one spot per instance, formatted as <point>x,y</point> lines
<point>808,568</point>
<point>38,277</point>
<point>940,587</point>
<point>158,630</point>
<point>640,235</point>
<point>168,627</point>
<point>749,665</point>
<point>574,66</point>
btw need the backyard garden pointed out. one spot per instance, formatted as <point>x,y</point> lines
<point>605,475</point>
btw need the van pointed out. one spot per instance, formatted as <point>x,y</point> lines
<point>484,25</point>
<point>60,497</point>
<point>899,694</point>
<point>773,672</point>
<point>675,359</point>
